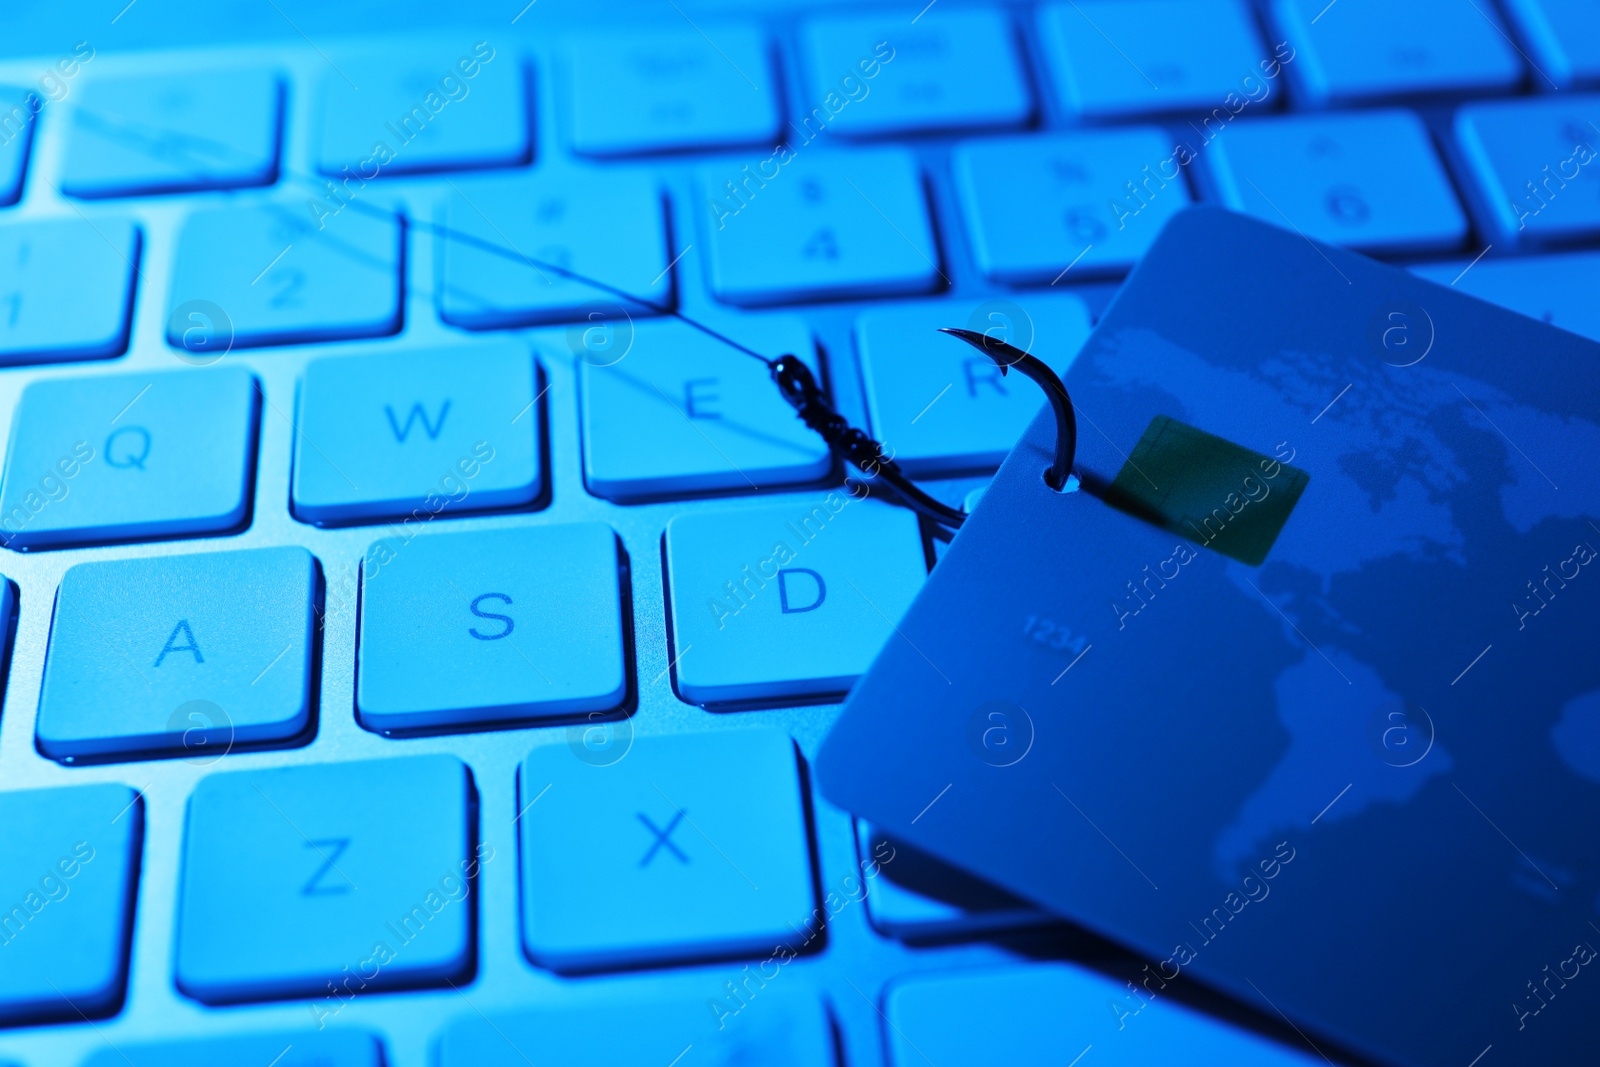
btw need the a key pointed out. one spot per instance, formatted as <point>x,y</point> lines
<point>294,1048</point>
<point>173,133</point>
<point>1558,289</point>
<point>1537,163</point>
<point>823,577</point>
<point>1564,37</point>
<point>416,436</point>
<point>492,626</point>
<point>129,456</point>
<point>1056,1012</point>
<point>606,226</point>
<point>668,411</point>
<point>668,89</point>
<point>817,225</point>
<point>66,289</point>
<point>312,270</point>
<point>67,883</point>
<point>1360,50</point>
<point>18,109</point>
<point>915,897</point>
<point>328,881</point>
<point>1369,180</point>
<point>446,109</point>
<point>785,1029</point>
<point>949,70</point>
<point>941,406</point>
<point>1062,207</point>
<point>652,840</point>
<point>179,655</point>
<point>1113,60</point>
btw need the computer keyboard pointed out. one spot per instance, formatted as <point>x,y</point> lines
<point>415,652</point>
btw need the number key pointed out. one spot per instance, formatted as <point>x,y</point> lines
<point>311,270</point>
<point>817,225</point>
<point>603,225</point>
<point>1537,162</point>
<point>66,289</point>
<point>1091,201</point>
<point>1369,180</point>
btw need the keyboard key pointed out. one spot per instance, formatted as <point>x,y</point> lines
<point>1564,37</point>
<point>18,110</point>
<point>944,410</point>
<point>1555,289</point>
<point>179,655</point>
<point>174,133</point>
<point>608,226</point>
<point>417,435</point>
<point>1068,206</point>
<point>66,289</point>
<point>1113,60</point>
<point>284,274</point>
<point>678,412</point>
<point>129,457</point>
<point>1537,163</point>
<point>67,884</point>
<point>786,1030</point>
<point>411,113</point>
<point>872,75</point>
<point>828,224</point>
<point>1051,1012</point>
<point>823,578</point>
<point>630,92</point>
<point>492,626</point>
<point>1370,181</point>
<point>1367,49</point>
<point>294,1048</point>
<point>328,880</point>
<point>915,897</point>
<point>652,842</point>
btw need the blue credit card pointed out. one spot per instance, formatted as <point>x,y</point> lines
<point>1302,701</point>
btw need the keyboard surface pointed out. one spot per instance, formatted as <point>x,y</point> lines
<point>413,654</point>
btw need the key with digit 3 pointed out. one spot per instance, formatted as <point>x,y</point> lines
<point>1293,691</point>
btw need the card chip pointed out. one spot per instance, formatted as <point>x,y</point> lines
<point>1200,486</point>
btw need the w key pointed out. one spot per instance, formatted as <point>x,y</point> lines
<point>417,436</point>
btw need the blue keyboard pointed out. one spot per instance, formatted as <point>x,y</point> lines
<point>412,654</point>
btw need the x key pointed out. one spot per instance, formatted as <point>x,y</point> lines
<point>663,838</point>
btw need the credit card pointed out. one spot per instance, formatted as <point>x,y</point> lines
<point>1303,701</point>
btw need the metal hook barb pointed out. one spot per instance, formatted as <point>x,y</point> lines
<point>1006,356</point>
